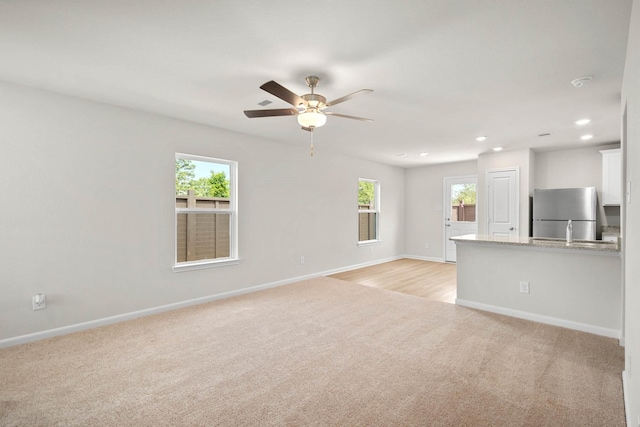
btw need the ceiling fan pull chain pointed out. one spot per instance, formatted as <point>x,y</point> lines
<point>311,142</point>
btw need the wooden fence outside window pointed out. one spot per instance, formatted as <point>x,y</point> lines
<point>202,235</point>
<point>366,224</point>
<point>462,212</point>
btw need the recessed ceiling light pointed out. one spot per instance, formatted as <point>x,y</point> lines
<point>403,155</point>
<point>481,138</point>
<point>586,137</point>
<point>497,148</point>
<point>583,121</point>
<point>424,154</point>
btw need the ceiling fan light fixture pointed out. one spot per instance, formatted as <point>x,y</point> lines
<point>312,119</point>
<point>308,108</point>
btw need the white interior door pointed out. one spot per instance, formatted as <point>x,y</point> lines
<point>460,210</point>
<point>502,202</point>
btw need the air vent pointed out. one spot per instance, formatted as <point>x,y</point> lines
<point>545,134</point>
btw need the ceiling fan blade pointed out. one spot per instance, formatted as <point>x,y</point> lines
<point>270,113</point>
<point>348,97</point>
<point>362,119</point>
<point>283,93</point>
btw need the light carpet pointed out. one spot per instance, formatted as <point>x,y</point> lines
<point>320,352</point>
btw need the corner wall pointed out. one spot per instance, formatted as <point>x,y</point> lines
<point>631,219</point>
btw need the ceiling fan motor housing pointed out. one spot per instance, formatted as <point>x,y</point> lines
<point>314,100</point>
<point>312,81</point>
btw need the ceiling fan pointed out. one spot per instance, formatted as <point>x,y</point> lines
<point>309,108</point>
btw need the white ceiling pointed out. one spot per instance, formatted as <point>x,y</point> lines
<point>443,71</point>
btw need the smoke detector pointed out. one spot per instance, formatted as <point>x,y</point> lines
<point>581,81</point>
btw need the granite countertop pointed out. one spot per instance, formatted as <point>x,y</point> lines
<point>611,230</point>
<point>541,242</point>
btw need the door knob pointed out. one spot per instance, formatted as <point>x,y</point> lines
<point>511,229</point>
<point>448,225</point>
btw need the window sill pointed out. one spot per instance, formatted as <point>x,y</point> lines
<point>199,265</point>
<point>369,242</point>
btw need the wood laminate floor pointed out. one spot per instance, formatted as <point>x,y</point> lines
<point>431,280</point>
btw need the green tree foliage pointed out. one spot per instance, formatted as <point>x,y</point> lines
<point>184,175</point>
<point>217,185</point>
<point>366,193</point>
<point>465,193</point>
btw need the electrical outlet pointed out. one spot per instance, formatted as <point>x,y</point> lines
<point>426,245</point>
<point>524,287</point>
<point>39,302</point>
<point>302,259</point>
<point>371,248</point>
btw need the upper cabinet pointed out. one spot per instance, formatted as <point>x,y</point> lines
<point>611,177</point>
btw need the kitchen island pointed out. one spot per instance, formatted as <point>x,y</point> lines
<point>576,285</point>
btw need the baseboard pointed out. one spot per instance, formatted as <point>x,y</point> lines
<point>424,258</point>
<point>625,396</point>
<point>50,333</point>
<point>356,266</point>
<point>596,330</point>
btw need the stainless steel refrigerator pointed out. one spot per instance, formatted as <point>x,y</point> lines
<point>552,209</point>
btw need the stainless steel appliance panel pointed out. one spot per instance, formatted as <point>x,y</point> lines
<point>553,208</point>
<point>565,204</point>
<point>582,230</point>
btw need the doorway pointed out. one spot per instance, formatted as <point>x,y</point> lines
<point>460,208</point>
<point>503,202</point>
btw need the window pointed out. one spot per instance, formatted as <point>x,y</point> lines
<point>206,212</point>
<point>463,202</point>
<point>368,210</point>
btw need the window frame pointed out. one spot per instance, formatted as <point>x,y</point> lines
<point>232,211</point>
<point>376,210</point>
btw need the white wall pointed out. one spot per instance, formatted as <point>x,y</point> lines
<point>424,204</point>
<point>631,218</point>
<point>580,167</point>
<point>524,160</point>
<point>87,214</point>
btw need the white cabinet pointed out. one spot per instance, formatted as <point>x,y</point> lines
<point>611,177</point>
